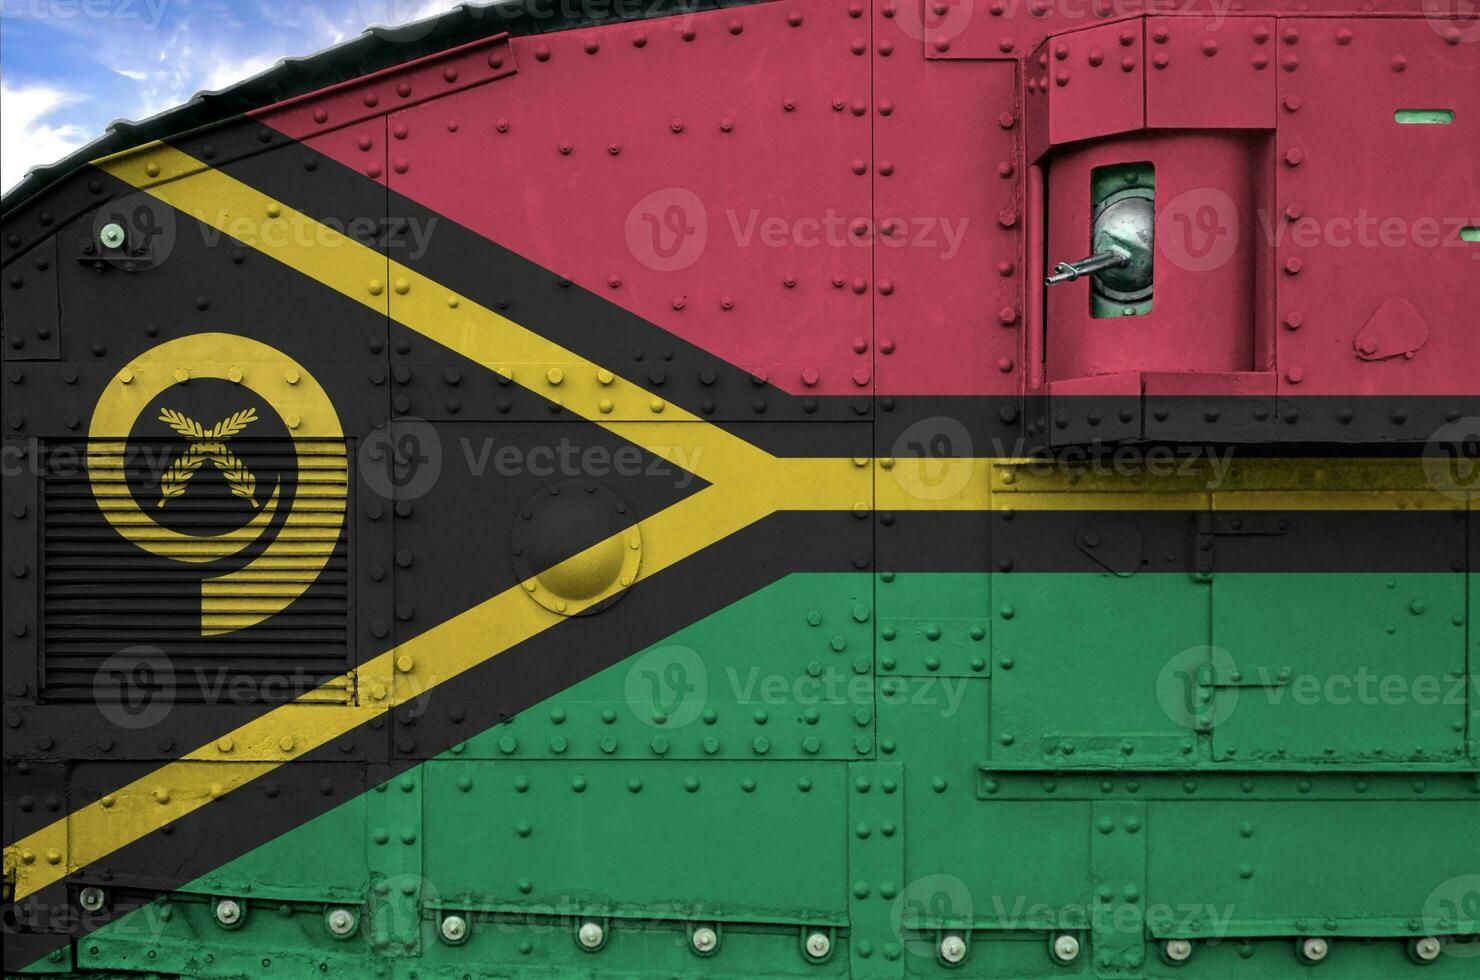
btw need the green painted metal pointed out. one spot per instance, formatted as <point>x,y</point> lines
<point>786,674</point>
<point>1352,666</point>
<point>1423,117</point>
<point>1115,818</point>
<point>1086,681</point>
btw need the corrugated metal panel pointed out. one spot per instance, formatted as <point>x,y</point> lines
<point>105,597</point>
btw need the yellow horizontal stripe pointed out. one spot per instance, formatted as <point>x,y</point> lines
<point>748,485</point>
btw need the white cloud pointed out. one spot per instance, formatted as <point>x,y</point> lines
<point>27,138</point>
<point>228,73</point>
<point>201,48</point>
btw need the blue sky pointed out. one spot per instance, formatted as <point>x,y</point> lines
<point>69,67</point>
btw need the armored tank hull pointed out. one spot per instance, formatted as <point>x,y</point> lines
<point>809,488</point>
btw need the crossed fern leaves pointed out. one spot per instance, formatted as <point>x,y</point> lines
<point>208,446</point>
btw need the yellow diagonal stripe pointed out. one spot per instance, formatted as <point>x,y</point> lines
<point>366,276</point>
<point>748,484</point>
<point>94,831</point>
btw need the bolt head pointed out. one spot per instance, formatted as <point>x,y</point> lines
<point>1066,948</point>
<point>454,928</point>
<point>591,935</point>
<point>705,940</point>
<point>92,899</point>
<point>341,921</point>
<point>1427,949</point>
<point>1177,950</point>
<point>953,947</point>
<point>819,944</point>
<point>1314,949</point>
<point>112,235</point>
<point>228,912</point>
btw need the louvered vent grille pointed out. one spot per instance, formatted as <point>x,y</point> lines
<point>128,575</point>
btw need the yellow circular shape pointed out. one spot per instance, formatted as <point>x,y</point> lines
<point>571,550</point>
<point>211,355</point>
<point>404,664</point>
<point>585,579</point>
<point>402,287</point>
<point>555,376</point>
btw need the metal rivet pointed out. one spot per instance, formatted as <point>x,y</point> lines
<point>1177,950</point>
<point>454,929</point>
<point>341,922</point>
<point>705,940</point>
<point>228,912</point>
<point>1066,948</point>
<point>591,935</point>
<point>953,947</point>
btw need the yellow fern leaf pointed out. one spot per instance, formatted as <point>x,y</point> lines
<point>238,477</point>
<point>175,479</point>
<point>181,423</point>
<point>234,424</point>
